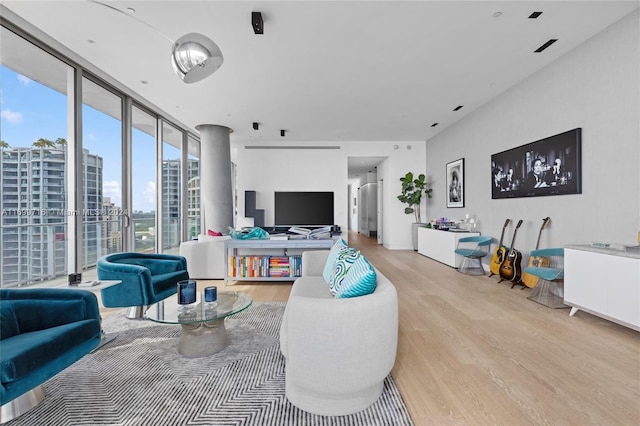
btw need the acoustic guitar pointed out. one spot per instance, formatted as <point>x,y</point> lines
<point>500,253</point>
<point>536,261</point>
<point>510,270</point>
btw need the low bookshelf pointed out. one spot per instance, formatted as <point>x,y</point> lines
<point>268,260</point>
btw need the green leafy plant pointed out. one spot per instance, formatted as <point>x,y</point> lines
<point>412,192</point>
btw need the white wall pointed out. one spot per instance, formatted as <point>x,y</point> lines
<point>269,170</point>
<point>596,87</point>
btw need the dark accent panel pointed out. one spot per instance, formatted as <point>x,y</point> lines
<point>249,203</point>
<point>258,218</point>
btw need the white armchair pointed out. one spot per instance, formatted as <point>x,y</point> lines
<point>205,257</point>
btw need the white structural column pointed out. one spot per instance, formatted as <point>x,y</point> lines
<point>216,193</point>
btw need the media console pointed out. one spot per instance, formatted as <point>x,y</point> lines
<point>268,260</point>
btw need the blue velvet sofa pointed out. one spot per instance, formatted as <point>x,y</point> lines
<point>147,278</point>
<point>42,332</point>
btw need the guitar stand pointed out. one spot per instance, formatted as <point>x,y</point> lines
<point>518,283</point>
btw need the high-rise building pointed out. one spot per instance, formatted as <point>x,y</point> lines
<point>171,200</point>
<point>34,213</point>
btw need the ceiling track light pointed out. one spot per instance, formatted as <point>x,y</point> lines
<point>193,56</point>
<point>257,23</point>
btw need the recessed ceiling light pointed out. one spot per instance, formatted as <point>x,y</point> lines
<point>144,82</point>
<point>458,108</point>
<point>434,124</point>
<point>131,11</point>
<point>91,41</point>
<point>544,46</point>
<point>497,14</point>
<point>534,15</point>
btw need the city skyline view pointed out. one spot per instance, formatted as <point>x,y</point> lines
<point>30,111</point>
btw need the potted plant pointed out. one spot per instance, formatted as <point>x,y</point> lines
<point>412,191</point>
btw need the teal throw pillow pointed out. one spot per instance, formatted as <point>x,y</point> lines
<point>360,280</point>
<point>337,247</point>
<point>346,258</point>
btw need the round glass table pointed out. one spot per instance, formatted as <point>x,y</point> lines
<point>203,330</point>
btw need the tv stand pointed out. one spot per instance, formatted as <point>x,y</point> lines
<point>267,260</point>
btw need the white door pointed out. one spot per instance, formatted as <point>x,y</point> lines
<point>379,211</point>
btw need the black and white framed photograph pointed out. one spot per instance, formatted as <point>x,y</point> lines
<point>549,166</point>
<point>455,183</point>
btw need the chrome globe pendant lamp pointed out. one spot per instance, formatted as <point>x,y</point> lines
<point>195,57</point>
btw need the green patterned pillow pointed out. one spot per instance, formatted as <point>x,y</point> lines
<point>327,272</point>
<point>343,263</point>
<point>359,280</point>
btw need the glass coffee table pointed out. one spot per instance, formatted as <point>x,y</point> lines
<point>203,330</point>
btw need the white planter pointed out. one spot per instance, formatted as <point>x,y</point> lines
<point>414,234</point>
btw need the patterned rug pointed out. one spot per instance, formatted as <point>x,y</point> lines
<point>140,379</point>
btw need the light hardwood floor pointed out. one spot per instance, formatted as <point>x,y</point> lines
<point>475,352</point>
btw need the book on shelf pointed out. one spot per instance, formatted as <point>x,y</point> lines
<point>249,266</point>
<point>311,233</point>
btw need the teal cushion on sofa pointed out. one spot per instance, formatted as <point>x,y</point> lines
<point>343,262</point>
<point>327,272</point>
<point>360,280</point>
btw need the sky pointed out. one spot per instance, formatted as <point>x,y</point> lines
<point>30,111</point>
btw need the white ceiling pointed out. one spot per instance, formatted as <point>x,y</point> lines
<point>323,70</point>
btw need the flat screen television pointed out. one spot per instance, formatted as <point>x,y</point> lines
<point>303,208</point>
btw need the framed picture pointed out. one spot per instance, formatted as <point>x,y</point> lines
<point>549,166</point>
<point>455,183</point>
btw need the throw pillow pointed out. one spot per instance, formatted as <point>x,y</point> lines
<point>343,263</point>
<point>327,272</point>
<point>213,233</point>
<point>359,280</point>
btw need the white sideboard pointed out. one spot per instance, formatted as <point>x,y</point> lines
<point>603,282</point>
<point>440,245</point>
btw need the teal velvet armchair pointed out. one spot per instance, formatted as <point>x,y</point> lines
<point>42,332</point>
<point>147,278</point>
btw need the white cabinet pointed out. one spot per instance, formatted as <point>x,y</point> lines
<point>440,245</point>
<point>603,282</point>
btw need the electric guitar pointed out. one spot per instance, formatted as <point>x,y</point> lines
<point>500,253</point>
<point>536,261</point>
<point>510,269</point>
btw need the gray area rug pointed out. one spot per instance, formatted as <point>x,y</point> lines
<point>140,379</point>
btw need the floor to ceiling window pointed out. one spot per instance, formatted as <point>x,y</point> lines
<point>36,139</point>
<point>33,164</point>
<point>143,180</point>
<point>194,216</point>
<point>103,211</point>
<point>171,188</point>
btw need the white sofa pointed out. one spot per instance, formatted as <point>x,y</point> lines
<point>338,351</point>
<point>205,257</point>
